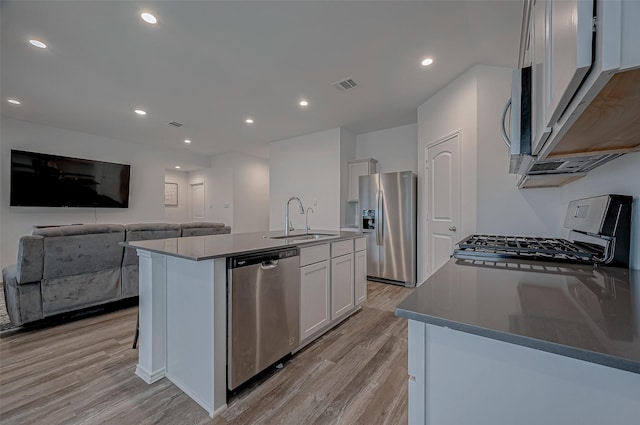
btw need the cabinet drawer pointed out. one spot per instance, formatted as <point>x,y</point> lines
<point>361,244</point>
<point>314,254</point>
<point>341,248</point>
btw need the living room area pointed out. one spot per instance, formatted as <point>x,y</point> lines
<point>159,205</point>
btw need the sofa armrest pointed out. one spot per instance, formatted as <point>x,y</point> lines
<point>30,259</point>
<point>9,275</point>
<point>23,300</point>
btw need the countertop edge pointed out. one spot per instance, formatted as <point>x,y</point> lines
<point>536,344</point>
<point>298,244</point>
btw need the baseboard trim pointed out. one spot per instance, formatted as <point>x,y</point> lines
<point>149,377</point>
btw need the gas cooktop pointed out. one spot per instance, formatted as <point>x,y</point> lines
<point>601,230</point>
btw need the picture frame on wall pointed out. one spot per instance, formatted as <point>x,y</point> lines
<point>171,194</point>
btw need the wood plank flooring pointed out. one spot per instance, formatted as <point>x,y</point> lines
<point>82,372</point>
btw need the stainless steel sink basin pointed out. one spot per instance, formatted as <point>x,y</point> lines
<point>306,236</point>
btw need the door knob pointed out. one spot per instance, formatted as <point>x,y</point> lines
<point>452,228</point>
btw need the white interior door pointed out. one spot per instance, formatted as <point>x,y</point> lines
<point>197,201</point>
<point>443,199</point>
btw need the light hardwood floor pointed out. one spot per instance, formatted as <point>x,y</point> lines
<point>83,373</point>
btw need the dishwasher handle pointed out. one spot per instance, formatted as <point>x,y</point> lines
<point>265,259</point>
<point>268,265</point>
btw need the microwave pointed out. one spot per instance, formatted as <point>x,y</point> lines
<point>518,112</point>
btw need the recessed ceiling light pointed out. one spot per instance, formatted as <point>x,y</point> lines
<point>14,101</point>
<point>187,141</point>
<point>177,167</point>
<point>38,44</point>
<point>426,62</point>
<point>249,121</point>
<point>148,17</point>
<point>140,112</point>
<point>303,102</point>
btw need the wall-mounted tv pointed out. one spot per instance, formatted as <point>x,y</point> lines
<point>42,180</point>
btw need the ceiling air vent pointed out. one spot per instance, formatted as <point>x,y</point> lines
<point>344,84</point>
<point>175,124</point>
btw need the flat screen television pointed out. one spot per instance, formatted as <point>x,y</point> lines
<point>42,180</point>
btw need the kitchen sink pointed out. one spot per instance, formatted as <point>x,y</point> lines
<point>306,236</point>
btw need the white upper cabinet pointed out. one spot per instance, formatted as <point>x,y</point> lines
<point>538,52</point>
<point>569,27</point>
<point>589,88</point>
<point>357,168</point>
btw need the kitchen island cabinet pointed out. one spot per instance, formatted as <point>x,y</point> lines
<point>183,307</point>
<point>315,298</point>
<point>342,279</point>
<point>526,343</point>
<point>360,272</point>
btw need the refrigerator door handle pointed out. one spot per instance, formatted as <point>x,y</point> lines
<point>380,224</point>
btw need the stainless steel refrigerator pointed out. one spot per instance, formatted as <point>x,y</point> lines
<point>387,205</point>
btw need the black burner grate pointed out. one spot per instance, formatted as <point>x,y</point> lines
<point>537,248</point>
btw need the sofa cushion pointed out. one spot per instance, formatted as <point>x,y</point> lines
<point>130,285</point>
<point>69,293</point>
<point>30,259</point>
<point>204,229</point>
<point>147,231</point>
<point>79,229</point>
<point>79,251</point>
<point>202,224</point>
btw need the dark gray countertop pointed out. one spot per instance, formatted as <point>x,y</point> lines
<point>200,248</point>
<point>587,313</point>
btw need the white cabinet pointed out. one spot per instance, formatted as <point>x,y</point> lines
<point>327,290</point>
<point>360,276</point>
<point>538,49</point>
<point>342,293</point>
<point>561,47</point>
<point>357,168</point>
<point>569,25</point>
<point>558,390</point>
<point>315,298</point>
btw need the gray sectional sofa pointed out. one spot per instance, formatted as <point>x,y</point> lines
<point>68,268</point>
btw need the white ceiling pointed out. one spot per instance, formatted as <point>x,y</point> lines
<point>209,65</point>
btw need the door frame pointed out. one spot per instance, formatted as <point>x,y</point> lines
<point>425,194</point>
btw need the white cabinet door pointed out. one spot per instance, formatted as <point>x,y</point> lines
<point>357,168</point>
<point>539,131</point>
<point>314,298</point>
<point>570,30</point>
<point>342,292</point>
<point>360,267</point>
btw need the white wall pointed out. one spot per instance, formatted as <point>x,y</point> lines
<point>451,109</point>
<point>178,213</point>
<point>501,207</point>
<point>218,184</point>
<point>146,196</point>
<point>308,167</point>
<point>236,191</point>
<point>251,194</point>
<point>347,152</point>
<point>491,202</point>
<point>394,148</point>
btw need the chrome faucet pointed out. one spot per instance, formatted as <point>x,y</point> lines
<point>306,219</point>
<point>287,224</point>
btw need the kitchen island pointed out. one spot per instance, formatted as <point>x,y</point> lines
<point>524,342</point>
<point>183,303</point>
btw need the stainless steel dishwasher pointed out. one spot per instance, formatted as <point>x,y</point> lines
<point>263,311</point>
